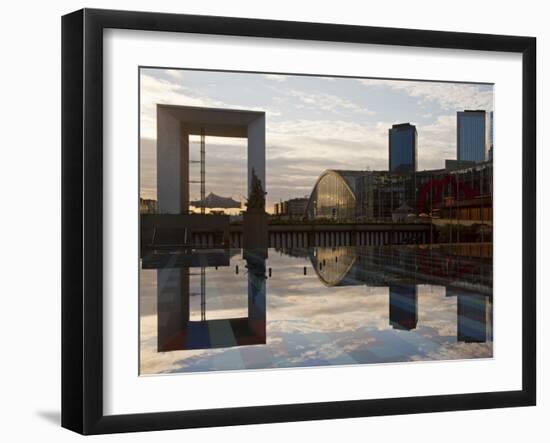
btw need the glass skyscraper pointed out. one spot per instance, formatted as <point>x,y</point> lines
<point>402,145</point>
<point>471,136</point>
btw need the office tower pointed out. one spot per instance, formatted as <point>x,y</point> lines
<point>471,136</point>
<point>402,148</point>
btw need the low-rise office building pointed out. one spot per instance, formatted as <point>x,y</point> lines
<point>292,209</point>
<point>362,196</point>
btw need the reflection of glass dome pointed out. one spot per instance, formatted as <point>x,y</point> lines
<point>390,266</point>
<point>333,265</point>
<point>352,266</point>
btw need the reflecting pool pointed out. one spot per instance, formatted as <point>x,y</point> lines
<point>233,309</point>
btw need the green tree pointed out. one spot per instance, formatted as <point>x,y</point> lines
<point>256,198</point>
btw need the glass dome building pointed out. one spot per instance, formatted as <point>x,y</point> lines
<point>334,196</point>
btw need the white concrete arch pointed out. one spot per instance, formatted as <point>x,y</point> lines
<point>174,126</point>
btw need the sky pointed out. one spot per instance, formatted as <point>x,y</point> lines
<point>313,123</point>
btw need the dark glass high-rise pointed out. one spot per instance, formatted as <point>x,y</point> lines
<point>402,148</point>
<point>471,136</point>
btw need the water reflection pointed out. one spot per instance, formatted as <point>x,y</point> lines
<point>204,310</point>
<point>472,318</point>
<point>175,328</point>
<point>403,306</point>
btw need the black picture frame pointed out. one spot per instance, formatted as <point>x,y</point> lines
<point>82,232</point>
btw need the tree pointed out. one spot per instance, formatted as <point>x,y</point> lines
<point>256,198</point>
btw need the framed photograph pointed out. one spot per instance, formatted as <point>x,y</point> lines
<point>269,221</point>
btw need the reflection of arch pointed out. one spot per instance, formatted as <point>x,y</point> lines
<point>344,177</point>
<point>333,265</point>
<point>175,329</point>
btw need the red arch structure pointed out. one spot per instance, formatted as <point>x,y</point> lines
<point>435,187</point>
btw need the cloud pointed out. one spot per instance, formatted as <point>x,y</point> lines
<point>322,138</point>
<point>327,102</point>
<point>159,91</point>
<point>436,142</point>
<point>156,90</point>
<point>450,96</point>
<point>176,74</point>
<point>276,77</point>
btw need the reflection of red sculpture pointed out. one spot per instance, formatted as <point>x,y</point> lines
<point>450,267</point>
<point>435,188</point>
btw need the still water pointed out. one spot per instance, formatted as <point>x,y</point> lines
<point>213,309</point>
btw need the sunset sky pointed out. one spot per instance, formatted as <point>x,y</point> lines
<point>312,124</point>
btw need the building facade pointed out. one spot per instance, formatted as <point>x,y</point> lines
<point>294,208</point>
<point>335,196</point>
<point>364,196</point>
<point>403,140</point>
<point>147,206</point>
<point>472,133</point>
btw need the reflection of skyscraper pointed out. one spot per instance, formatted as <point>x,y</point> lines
<point>403,306</point>
<point>402,148</point>
<point>491,135</point>
<point>471,136</point>
<point>471,311</point>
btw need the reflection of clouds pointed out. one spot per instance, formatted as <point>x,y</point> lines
<point>440,319</point>
<point>153,362</point>
<point>356,343</point>
<point>310,324</point>
<point>458,350</point>
<point>324,352</point>
<point>329,313</point>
